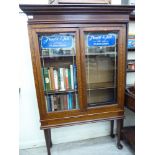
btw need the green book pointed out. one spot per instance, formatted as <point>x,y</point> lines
<point>46,79</point>
<point>69,79</point>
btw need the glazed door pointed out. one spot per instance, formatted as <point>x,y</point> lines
<point>103,55</point>
<point>58,71</point>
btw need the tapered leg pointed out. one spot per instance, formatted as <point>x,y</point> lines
<point>47,134</point>
<point>50,138</point>
<point>112,129</point>
<point>119,126</point>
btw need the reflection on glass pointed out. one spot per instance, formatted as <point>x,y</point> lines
<point>101,68</point>
<point>59,71</point>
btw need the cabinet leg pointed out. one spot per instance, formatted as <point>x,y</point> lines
<point>119,126</point>
<point>112,129</point>
<point>47,133</point>
<point>50,138</point>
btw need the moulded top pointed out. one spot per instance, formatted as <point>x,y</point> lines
<point>76,9</point>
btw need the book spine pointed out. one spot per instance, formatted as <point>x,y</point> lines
<point>74,101</point>
<point>56,79</point>
<point>52,78</point>
<point>65,102</point>
<point>68,101</point>
<point>42,71</point>
<point>61,79</point>
<point>77,102</point>
<point>62,102</point>
<point>66,78</point>
<point>55,103</point>
<point>47,81</point>
<point>72,80</point>
<point>50,82</point>
<point>71,101</point>
<point>74,76</point>
<point>52,102</point>
<point>58,102</point>
<point>49,106</point>
<point>69,79</point>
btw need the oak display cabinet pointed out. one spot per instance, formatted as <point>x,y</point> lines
<point>78,56</point>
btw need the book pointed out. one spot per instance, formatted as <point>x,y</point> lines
<point>49,105</point>
<point>65,102</point>
<point>42,73</point>
<point>70,102</point>
<point>61,79</point>
<point>49,79</point>
<point>61,102</point>
<point>74,101</point>
<point>58,102</point>
<point>69,79</point>
<point>51,75</point>
<point>56,79</point>
<point>75,76</point>
<point>77,102</point>
<point>52,102</point>
<point>71,74</point>
<point>55,103</point>
<point>46,79</point>
<point>66,78</point>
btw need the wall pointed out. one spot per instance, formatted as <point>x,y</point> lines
<point>30,133</point>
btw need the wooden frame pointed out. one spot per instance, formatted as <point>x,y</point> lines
<point>55,119</point>
<point>121,58</point>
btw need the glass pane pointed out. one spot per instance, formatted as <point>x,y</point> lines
<point>101,68</point>
<point>59,71</point>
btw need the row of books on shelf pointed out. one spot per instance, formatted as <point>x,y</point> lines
<point>62,102</point>
<point>60,79</point>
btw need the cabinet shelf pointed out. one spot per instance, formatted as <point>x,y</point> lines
<point>100,88</point>
<point>56,56</point>
<point>131,60</point>
<point>129,70</point>
<point>56,92</point>
<point>131,49</point>
<point>101,103</point>
<point>100,85</point>
<point>105,53</point>
<point>129,85</point>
